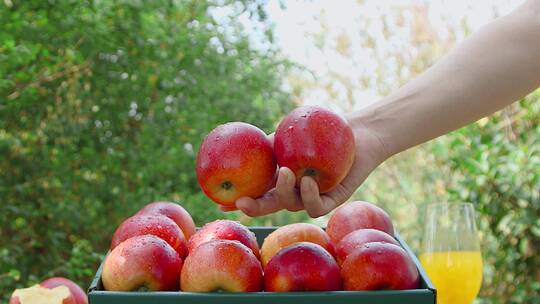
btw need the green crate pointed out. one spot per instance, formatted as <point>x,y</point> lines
<point>424,295</point>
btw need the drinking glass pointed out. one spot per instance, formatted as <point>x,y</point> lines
<point>451,252</point>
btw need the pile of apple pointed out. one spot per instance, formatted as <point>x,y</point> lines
<point>158,250</point>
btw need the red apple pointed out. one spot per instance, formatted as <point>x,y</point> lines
<point>225,230</point>
<point>158,225</point>
<point>357,215</point>
<point>302,266</point>
<point>312,141</point>
<point>290,234</point>
<point>379,266</point>
<point>175,212</point>
<point>143,261</point>
<point>222,265</point>
<point>358,238</point>
<point>76,290</point>
<point>42,295</point>
<point>235,160</point>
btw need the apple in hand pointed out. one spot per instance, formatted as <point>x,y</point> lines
<point>379,266</point>
<point>235,160</point>
<point>77,292</point>
<point>302,266</point>
<point>158,225</point>
<point>358,238</point>
<point>42,295</point>
<point>222,265</point>
<point>225,230</point>
<point>290,234</point>
<point>357,215</point>
<point>175,212</point>
<point>313,141</point>
<point>143,261</point>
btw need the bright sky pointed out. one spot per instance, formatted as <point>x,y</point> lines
<point>297,25</point>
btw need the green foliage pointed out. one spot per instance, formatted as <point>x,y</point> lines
<point>496,166</point>
<point>103,105</point>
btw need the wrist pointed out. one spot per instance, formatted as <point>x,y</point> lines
<point>367,131</point>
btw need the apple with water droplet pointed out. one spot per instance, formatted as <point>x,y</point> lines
<point>379,266</point>
<point>155,224</point>
<point>293,233</point>
<point>302,266</point>
<point>175,212</point>
<point>224,230</point>
<point>142,262</point>
<point>357,215</point>
<point>357,239</point>
<point>235,160</point>
<point>315,142</point>
<point>222,265</point>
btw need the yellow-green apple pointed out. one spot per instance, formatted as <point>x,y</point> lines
<point>235,160</point>
<point>42,295</point>
<point>158,225</point>
<point>357,215</point>
<point>302,266</point>
<point>222,265</point>
<point>378,265</point>
<point>142,262</point>
<point>77,292</point>
<point>290,234</point>
<point>225,230</point>
<point>358,238</point>
<point>313,141</point>
<point>175,212</point>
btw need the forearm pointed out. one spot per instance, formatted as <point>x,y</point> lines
<point>491,69</point>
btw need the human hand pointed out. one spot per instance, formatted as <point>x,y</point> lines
<point>370,152</point>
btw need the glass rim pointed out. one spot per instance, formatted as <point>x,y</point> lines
<point>450,206</point>
<point>436,204</point>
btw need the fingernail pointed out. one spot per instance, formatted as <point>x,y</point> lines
<point>286,177</point>
<point>304,183</point>
<point>242,206</point>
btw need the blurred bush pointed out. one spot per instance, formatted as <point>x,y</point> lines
<point>494,164</point>
<point>103,105</point>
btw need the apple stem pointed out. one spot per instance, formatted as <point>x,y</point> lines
<point>226,185</point>
<point>143,288</point>
<point>310,172</point>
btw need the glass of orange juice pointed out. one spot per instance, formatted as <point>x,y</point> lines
<point>451,252</point>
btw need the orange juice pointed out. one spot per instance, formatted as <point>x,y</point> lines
<point>457,275</point>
